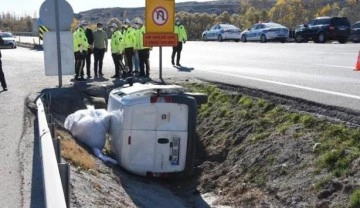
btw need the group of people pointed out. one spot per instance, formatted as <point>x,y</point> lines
<point>128,52</point>
<point>126,45</point>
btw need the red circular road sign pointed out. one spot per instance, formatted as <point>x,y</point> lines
<point>160,16</point>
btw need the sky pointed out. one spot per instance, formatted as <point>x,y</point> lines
<point>30,7</point>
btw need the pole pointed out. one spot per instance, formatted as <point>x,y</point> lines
<point>160,64</point>
<point>58,41</point>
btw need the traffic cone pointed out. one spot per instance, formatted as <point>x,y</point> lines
<point>357,67</point>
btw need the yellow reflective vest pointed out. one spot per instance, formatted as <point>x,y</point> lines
<point>129,38</point>
<point>116,42</point>
<point>181,32</point>
<point>80,40</point>
<point>140,38</point>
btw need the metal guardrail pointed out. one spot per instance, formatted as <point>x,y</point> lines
<point>54,186</point>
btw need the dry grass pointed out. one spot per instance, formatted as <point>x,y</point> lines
<point>74,153</point>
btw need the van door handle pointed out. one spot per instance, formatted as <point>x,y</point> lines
<point>163,141</point>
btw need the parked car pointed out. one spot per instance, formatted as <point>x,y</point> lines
<point>9,40</point>
<point>355,33</point>
<point>323,29</point>
<point>264,32</point>
<point>222,32</point>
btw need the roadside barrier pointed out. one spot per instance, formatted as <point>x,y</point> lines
<point>55,174</point>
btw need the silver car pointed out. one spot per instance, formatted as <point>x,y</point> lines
<point>9,40</point>
<point>222,32</point>
<point>264,32</point>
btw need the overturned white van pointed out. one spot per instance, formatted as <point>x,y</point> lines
<point>153,129</point>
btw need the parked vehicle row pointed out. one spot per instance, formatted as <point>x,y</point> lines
<point>319,30</point>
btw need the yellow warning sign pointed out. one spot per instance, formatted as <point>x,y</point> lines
<point>160,16</point>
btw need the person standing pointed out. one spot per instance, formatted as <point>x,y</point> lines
<point>90,38</point>
<point>117,49</point>
<point>135,60</point>
<point>100,47</point>
<point>129,41</point>
<point>179,29</point>
<point>80,50</point>
<point>144,52</point>
<point>2,76</point>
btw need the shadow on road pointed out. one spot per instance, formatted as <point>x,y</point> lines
<point>37,193</point>
<point>184,68</point>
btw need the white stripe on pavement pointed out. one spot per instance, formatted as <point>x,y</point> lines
<point>288,85</point>
<point>336,66</point>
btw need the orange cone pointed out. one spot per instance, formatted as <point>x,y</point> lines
<point>357,67</point>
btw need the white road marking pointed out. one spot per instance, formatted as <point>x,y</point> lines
<point>288,85</point>
<point>336,66</point>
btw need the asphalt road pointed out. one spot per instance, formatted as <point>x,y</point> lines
<point>318,72</point>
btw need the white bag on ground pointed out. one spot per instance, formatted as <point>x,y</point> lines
<point>89,127</point>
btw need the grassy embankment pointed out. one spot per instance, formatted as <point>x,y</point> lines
<point>337,145</point>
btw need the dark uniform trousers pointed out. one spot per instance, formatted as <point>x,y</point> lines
<point>79,64</point>
<point>144,55</point>
<point>88,62</point>
<point>129,53</point>
<point>98,60</point>
<point>117,58</point>
<point>2,76</point>
<point>177,50</point>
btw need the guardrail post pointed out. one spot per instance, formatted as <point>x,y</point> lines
<point>57,148</point>
<point>64,169</point>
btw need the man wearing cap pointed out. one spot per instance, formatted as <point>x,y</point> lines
<point>144,52</point>
<point>117,49</point>
<point>100,47</point>
<point>80,50</point>
<point>179,29</point>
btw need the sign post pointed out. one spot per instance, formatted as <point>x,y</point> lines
<point>160,26</point>
<point>57,16</point>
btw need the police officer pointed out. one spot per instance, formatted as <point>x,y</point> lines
<point>144,52</point>
<point>117,49</point>
<point>136,61</point>
<point>2,76</point>
<point>179,29</point>
<point>80,50</point>
<point>129,41</point>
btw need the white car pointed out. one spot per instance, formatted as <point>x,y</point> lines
<point>222,32</point>
<point>9,40</point>
<point>264,32</point>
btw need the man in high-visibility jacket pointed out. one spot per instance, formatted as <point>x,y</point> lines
<point>117,49</point>
<point>144,52</point>
<point>179,29</point>
<point>129,41</point>
<point>81,46</point>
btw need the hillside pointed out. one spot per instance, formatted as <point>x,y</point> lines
<point>213,7</point>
